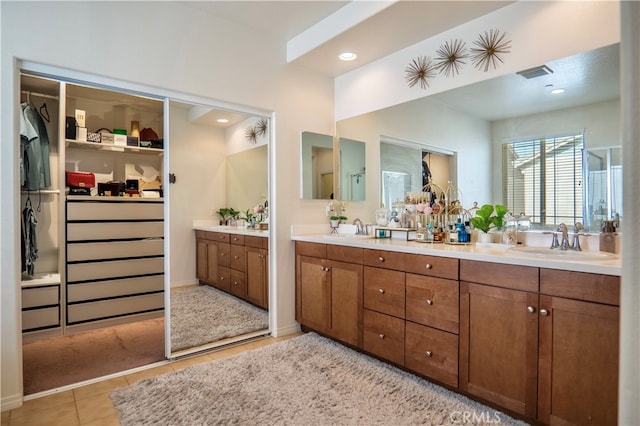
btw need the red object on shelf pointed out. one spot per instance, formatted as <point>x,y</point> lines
<point>81,179</point>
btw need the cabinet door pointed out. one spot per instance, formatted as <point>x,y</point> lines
<point>578,371</point>
<point>212,262</point>
<point>312,293</point>
<point>256,276</point>
<point>346,302</point>
<point>201,260</point>
<point>499,346</point>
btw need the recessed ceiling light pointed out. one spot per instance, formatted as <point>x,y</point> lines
<point>347,56</point>
<point>557,91</point>
<point>222,120</point>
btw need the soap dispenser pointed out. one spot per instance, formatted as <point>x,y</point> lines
<point>608,237</point>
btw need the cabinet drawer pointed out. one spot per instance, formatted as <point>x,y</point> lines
<point>224,254</point>
<point>433,301</point>
<point>432,353</point>
<point>113,288</point>
<point>217,236</point>
<point>384,259</point>
<point>40,318</point>
<point>237,260</point>
<point>40,296</point>
<point>500,275</point>
<point>345,254</point>
<point>257,242</point>
<point>238,284</point>
<point>223,281</point>
<point>114,230</point>
<point>236,239</point>
<point>115,249</point>
<point>384,291</point>
<point>114,269</point>
<point>115,307</point>
<point>581,286</point>
<point>383,335</point>
<point>443,267</point>
<point>124,210</point>
<point>311,249</point>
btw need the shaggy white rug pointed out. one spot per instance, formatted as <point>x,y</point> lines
<point>307,380</point>
<point>203,314</point>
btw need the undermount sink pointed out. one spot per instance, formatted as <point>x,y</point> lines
<point>568,254</point>
<point>347,236</point>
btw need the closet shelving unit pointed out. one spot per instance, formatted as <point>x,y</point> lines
<point>101,259</point>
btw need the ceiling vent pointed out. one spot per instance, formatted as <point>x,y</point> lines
<point>535,72</point>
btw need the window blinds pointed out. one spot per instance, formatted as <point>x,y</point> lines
<point>543,178</point>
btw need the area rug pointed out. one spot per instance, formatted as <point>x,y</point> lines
<point>306,380</point>
<point>203,314</point>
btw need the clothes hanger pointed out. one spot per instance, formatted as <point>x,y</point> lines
<point>45,115</point>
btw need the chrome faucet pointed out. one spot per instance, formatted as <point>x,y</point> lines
<point>577,227</point>
<point>360,229</point>
<point>564,243</point>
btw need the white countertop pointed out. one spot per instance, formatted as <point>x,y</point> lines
<point>209,225</point>
<point>498,253</point>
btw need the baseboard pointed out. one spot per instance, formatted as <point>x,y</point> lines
<point>11,402</point>
<point>283,331</point>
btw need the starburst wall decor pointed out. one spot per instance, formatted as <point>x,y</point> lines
<point>491,46</point>
<point>260,129</point>
<point>449,57</point>
<point>419,71</point>
<point>251,134</point>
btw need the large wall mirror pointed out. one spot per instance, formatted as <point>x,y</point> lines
<point>475,121</point>
<point>316,166</point>
<point>216,166</point>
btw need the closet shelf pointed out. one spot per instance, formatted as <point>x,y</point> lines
<point>71,143</point>
<point>40,279</point>
<point>41,191</point>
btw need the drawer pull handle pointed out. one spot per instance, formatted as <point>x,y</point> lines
<point>236,257</point>
<point>381,259</point>
<point>428,354</point>
<point>221,278</point>
<point>235,283</point>
<point>544,312</point>
<point>381,290</point>
<point>429,266</point>
<point>381,336</point>
<point>531,309</point>
<point>221,254</point>
<point>429,302</point>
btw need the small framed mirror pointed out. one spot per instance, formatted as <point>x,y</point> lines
<point>317,166</point>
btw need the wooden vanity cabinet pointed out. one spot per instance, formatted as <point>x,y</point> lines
<point>579,341</point>
<point>257,270</point>
<point>329,283</point>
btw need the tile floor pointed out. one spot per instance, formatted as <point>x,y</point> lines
<point>91,404</point>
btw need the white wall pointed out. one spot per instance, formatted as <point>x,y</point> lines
<point>168,45</point>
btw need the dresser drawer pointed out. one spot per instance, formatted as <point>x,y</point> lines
<point>224,254</point>
<point>114,230</point>
<point>500,275</point>
<point>238,284</point>
<point>237,259</point>
<point>236,239</point>
<point>383,336</point>
<point>114,249</point>
<point>121,210</point>
<point>443,267</point>
<point>384,291</point>
<point>40,318</point>
<point>114,269</point>
<point>432,353</point>
<point>384,259</point>
<point>115,307</point>
<point>40,296</point>
<point>433,301</point>
<point>223,281</point>
<point>113,288</point>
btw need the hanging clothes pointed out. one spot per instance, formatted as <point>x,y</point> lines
<point>29,243</point>
<point>35,171</point>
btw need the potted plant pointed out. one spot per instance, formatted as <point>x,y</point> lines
<point>483,221</point>
<point>223,212</point>
<point>501,212</point>
<point>335,221</point>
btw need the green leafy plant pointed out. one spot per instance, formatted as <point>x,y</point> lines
<point>484,218</point>
<point>501,212</point>
<point>341,218</point>
<point>223,212</point>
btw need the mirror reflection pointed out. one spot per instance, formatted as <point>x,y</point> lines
<point>475,121</point>
<point>603,187</point>
<point>352,170</point>
<point>317,166</point>
<point>220,197</point>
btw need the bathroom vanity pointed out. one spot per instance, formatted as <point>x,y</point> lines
<point>531,334</point>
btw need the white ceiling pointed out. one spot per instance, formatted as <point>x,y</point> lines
<point>320,30</point>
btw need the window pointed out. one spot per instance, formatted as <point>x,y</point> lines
<point>543,178</point>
